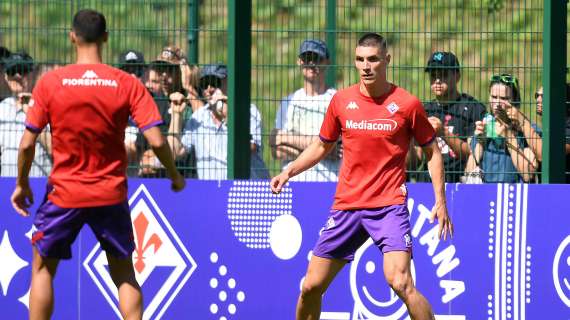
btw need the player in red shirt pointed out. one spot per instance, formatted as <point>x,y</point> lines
<point>87,106</point>
<point>377,120</point>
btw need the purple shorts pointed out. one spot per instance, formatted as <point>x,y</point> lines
<point>58,227</point>
<point>346,231</point>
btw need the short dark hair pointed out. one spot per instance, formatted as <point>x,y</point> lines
<point>89,25</point>
<point>372,39</point>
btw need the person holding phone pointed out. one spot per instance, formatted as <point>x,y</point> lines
<point>498,146</point>
<point>19,69</point>
<point>206,132</point>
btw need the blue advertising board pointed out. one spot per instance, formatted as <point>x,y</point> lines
<point>231,250</point>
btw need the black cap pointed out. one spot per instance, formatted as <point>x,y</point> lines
<point>131,57</point>
<point>18,62</point>
<point>442,60</point>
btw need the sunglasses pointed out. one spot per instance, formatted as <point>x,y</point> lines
<point>164,67</point>
<point>310,58</point>
<point>211,81</point>
<point>538,94</point>
<point>507,79</point>
<point>137,70</point>
<point>441,74</point>
<point>22,69</point>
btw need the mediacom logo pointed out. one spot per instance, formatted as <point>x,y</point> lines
<point>372,125</point>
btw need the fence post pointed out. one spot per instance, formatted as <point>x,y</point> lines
<point>331,42</point>
<point>554,86</point>
<point>193,26</point>
<point>239,88</point>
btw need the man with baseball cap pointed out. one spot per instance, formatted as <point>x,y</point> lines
<point>18,75</point>
<point>132,62</point>
<point>300,114</point>
<point>452,114</point>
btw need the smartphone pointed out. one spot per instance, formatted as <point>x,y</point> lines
<point>25,98</point>
<point>490,126</point>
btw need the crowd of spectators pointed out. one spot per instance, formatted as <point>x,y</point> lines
<point>493,143</point>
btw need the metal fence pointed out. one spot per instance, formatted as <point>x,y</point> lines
<point>489,37</point>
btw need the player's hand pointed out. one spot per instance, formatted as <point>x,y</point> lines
<point>22,199</point>
<point>178,182</point>
<point>278,182</point>
<point>443,219</point>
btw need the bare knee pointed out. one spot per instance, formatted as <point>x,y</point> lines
<point>311,289</point>
<point>401,283</point>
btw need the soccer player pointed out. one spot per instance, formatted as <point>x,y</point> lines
<point>87,106</point>
<point>377,120</point>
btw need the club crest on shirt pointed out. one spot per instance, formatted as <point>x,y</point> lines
<point>352,106</point>
<point>392,107</point>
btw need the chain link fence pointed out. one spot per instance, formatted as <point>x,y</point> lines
<point>488,38</point>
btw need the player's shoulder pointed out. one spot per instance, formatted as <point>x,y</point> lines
<point>404,97</point>
<point>348,92</point>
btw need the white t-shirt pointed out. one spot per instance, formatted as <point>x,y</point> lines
<point>302,114</point>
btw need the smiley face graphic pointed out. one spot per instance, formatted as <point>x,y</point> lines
<point>373,298</point>
<point>561,271</point>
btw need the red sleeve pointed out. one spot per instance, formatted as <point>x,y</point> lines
<point>421,128</point>
<point>144,111</point>
<point>37,115</point>
<point>331,128</point>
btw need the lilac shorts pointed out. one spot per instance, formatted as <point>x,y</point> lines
<point>346,231</point>
<point>58,227</point>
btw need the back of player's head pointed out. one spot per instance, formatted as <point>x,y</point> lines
<point>372,39</point>
<point>89,26</point>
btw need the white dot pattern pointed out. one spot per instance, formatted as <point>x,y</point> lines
<point>252,208</point>
<point>225,304</point>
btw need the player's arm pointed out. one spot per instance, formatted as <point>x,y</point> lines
<point>435,166</point>
<point>314,153</point>
<point>162,151</point>
<point>22,198</point>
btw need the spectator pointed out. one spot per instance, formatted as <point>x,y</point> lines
<point>165,82</point>
<point>206,131</point>
<point>19,69</point>
<point>301,114</point>
<point>452,115</point>
<point>132,62</point>
<point>533,132</point>
<point>498,146</point>
<point>4,89</point>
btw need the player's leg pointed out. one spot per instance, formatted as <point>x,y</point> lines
<point>130,294</point>
<point>56,229</point>
<point>339,240</point>
<point>113,228</point>
<point>320,273</point>
<point>41,287</point>
<point>399,277</point>
<point>390,229</point>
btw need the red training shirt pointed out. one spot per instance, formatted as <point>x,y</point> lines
<point>376,134</point>
<point>87,107</point>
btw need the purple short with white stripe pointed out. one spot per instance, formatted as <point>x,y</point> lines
<point>347,230</point>
<point>57,228</point>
